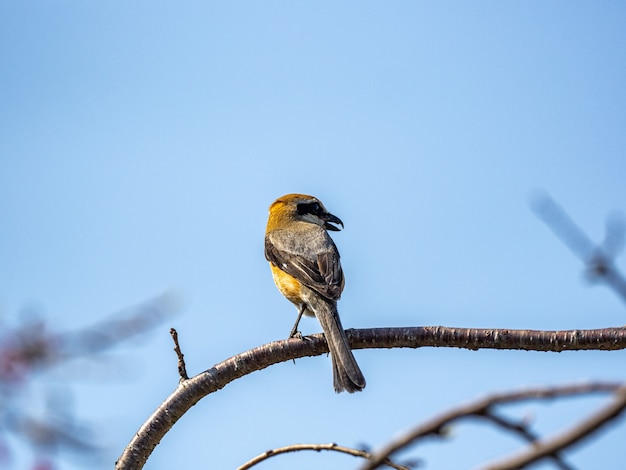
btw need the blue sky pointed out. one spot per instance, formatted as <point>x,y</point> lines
<point>141,144</point>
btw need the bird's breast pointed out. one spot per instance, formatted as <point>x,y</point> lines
<point>288,285</point>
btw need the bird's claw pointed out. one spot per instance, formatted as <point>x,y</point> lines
<point>296,334</point>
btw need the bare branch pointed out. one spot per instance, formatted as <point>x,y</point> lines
<point>437,425</point>
<point>189,392</point>
<point>523,430</point>
<point>316,447</point>
<point>566,439</point>
<point>489,338</point>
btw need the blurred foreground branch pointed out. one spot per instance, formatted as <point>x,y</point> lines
<point>598,259</point>
<point>33,347</point>
<point>538,449</point>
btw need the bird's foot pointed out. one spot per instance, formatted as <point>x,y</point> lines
<point>295,334</point>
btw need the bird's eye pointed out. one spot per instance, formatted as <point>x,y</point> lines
<point>309,208</point>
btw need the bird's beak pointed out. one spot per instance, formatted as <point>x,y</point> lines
<point>330,219</point>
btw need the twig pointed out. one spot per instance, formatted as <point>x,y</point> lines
<point>437,425</point>
<point>182,370</point>
<point>316,447</point>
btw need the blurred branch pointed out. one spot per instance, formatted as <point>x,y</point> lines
<point>184,397</point>
<point>599,259</point>
<point>118,328</point>
<point>538,450</point>
<point>52,432</point>
<point>32,347</point>
<point>523,430</point>
<point>316,447</point>
<point>566,439</point>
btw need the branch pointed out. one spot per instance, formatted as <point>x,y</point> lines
<point>316,447</point>
<point>189,392</point>
<point>537,450</point>
<point>567,438</point>
<point>522,429</point>
<point>597,258</point>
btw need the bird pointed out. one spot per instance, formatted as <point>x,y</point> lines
<point>305,265</point>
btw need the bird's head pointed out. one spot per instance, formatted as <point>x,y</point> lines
<point>307,209</point>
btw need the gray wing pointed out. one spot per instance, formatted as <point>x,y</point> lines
<point>311,257</point>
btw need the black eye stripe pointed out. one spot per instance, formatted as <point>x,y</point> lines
<point>309,208</point>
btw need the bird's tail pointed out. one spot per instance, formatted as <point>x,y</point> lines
<point>346,373</point>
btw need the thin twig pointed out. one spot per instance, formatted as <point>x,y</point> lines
<point>182,369</point>
<point>316,447</point>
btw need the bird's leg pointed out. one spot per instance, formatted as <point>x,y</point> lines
<point>294,331</point>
